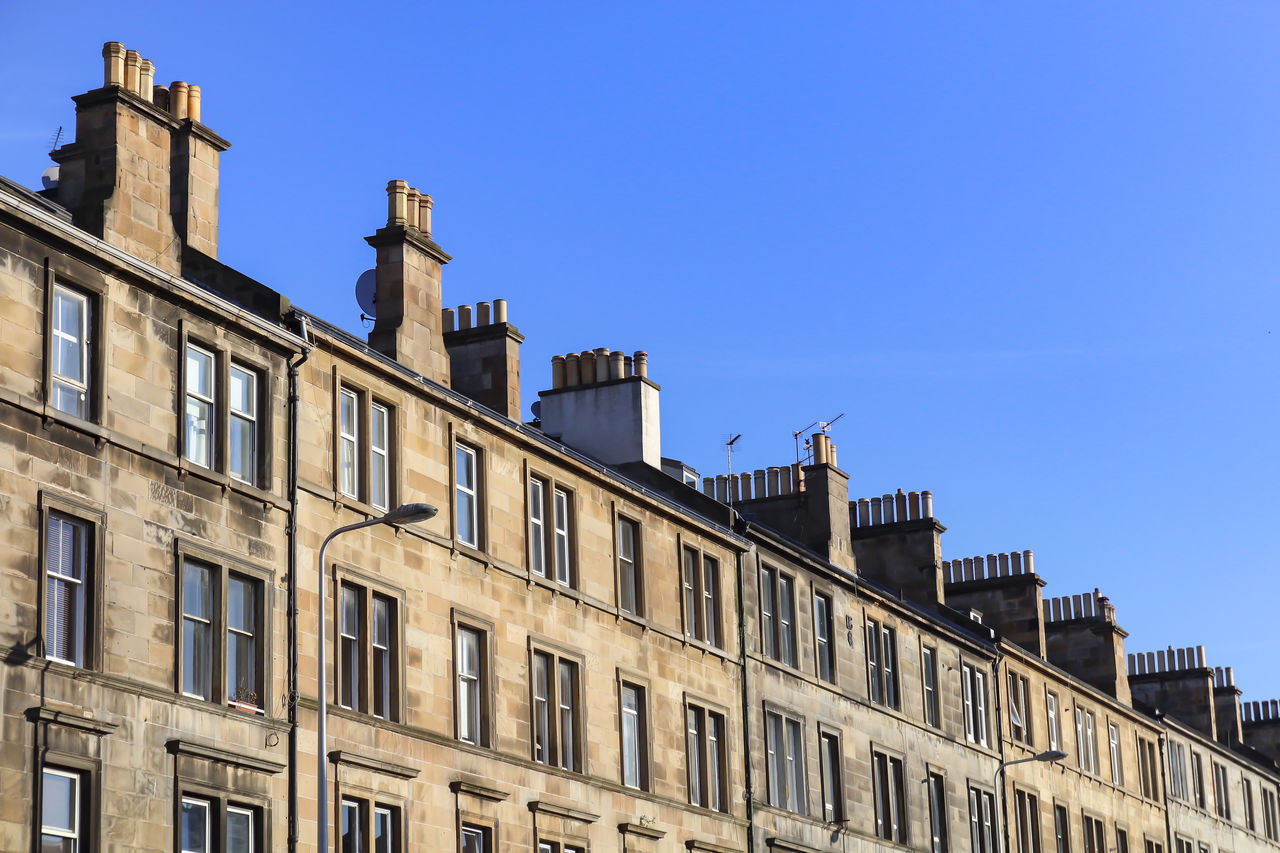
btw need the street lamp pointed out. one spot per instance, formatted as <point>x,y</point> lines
<point>1047,755</point>
<point>406,514</point>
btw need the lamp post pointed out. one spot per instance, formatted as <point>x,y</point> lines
<point>406,514</point>
<point>1047,755</point>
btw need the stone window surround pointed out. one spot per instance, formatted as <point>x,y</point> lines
<point>619,516</point>
<point>222,563</point>
<point>343,573</point>
<point>488,687</point>
<point>559,653</point>
<point>827,592</point>
<point>686,541</point>
<point>695,700</point>
<point>639,681</point>
<point>841,800</point>
<point>225,350</point>
<point>93,515</point>
<point>550,485</point>
<point>387,787</point>
<point>346,379</point>
<point>66,272</point>
<point>476,444</point>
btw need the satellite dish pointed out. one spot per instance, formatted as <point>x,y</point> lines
<point>366,287</point>
<point>536,408</point>
<point>50,177</point>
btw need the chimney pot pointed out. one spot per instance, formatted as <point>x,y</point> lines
<point>708,487</point>
<point>864,512</point>
<point>446,319</point>
<point>1028,563</point>
<point>193,103</point>
<point>587,366</point>
<point>602,364</point>
<point>425,204</point>
<point>926,504</point>
<point>113,64</point>
<point>411,208</point>
<point>132,71</point>
<point>900,505</point>
<point>722,488</point>
<point>160,97</point>
<point>819,444</point>
<point>617,364</point>
<point>762,489</point>
<point>483,310</point>
<point>464,316</point>
<point>572,376</point>
<point>773,481</point>
<point>876,517</point>
<point>557,371</point>
<point>913,505</point>
<point>641,359</point>
<point>744,485</point>
<point>178,99</point>
<point>397,199</point>
<point>499,310</point>
<point>146,80</point>
<point>628,367</point>
<point>784,479</point>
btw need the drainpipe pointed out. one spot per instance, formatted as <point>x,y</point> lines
<point>1002,800</point>
<point>741,527</point>
<point>1164,787</point>
<point>291,606</point>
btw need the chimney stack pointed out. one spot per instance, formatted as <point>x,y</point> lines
<point>1083,638</point>
<point>596,407</point>
<point>1006,589</point>
<point>142,173</point>
<point>484,359</point>
<point>898,542</point>
<point>1179,682</point>
<point>408,278</point>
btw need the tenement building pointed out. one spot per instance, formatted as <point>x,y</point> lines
<point>270,585</point>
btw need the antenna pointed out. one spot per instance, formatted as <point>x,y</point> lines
<point>824,426</point>
<point>728,452</point>
<point>55,139</point>
<point>366,290</point>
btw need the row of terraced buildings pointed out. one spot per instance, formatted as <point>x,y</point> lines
<point>588,648</point>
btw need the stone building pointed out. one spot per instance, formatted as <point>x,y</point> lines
<point>580,651</point>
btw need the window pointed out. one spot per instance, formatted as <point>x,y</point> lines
<point>1086,740</point>
<point>1221,803</point>
<point>982,809</point>
<point>70,352</point>
<point>882,663</point>
<point>69,548</point>
<point>1061,829</point>
<point>557,847</point>
<point>974,688</point>
<point>367,827</point>
<point>1122,841</point>
<point>62,811</point>
<point>364,448</point>
<point>635,737</point>
<point>476,839</point>
<point>1055,722</point>
<point>1270,814</point>
<point>554,553</point>
<point>1117,768</point>
<point>471,659</point>
<point>630,587</point>
<point>890,793</point>
<point>557,734</point>
<point>1178,786</point>
<point>1020,709</point>
<point>700,580</point>
<point>938,813</point>
<point>1094,834</point>
<point>823,650</point>
<point>216,826</point>
<point>830,758</point>
<point>785,753</point>
<point>778,615</point>
<point>242,458</point>
<point>1197,779</point>
<point>200,381</point>
<point>1027,821</point>
<point>1152,846</point>
<point>1147,769</point>
<point>1248,805</point>
<point>1181,844</point>
<point>466,482</point>
<point>706,758</point>
<point>368,651</point>
<point>929,676</point>
<point>221,648</point>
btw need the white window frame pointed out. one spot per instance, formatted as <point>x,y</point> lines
<point>68,613</point>
<point>705,757</point>
<point>381,656</point>
<point>1113,742</point>
<point>238,417</point>
<point>470,685</point>
<point>974,692</point>
<point>882,664</point>
<point>349,443</point>
<point>824,650</point>
<point>206,399</point>
<point>1020,727</point>
<point>80,339</point>
<point>467,494</point>
<point>982,809</point>
<point>1054,719</point>
<point>889,797</point>
<point>207,806</point>
<point>556,712</point>
<point>831,774</point>
<point>630,585</point>
<point>929,681</point>
<point>784,748</point>
<point>538,526</point>
<point>700,587</point>
<point>379,456</point>
<point>562,513</point>
<point>252,816</point>
<point>76,813</point>
<point>634,735</point>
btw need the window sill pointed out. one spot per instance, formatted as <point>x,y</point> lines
<point>359,506</point>
<point>187,468</point>
<point>88,427</point>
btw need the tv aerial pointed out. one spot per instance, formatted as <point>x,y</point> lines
<point>824,426</point>
<point>366,295</point>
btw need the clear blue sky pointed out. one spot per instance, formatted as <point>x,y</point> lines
<point>1029,249</point>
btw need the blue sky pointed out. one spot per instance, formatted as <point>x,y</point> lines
<point>1028,249</point>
